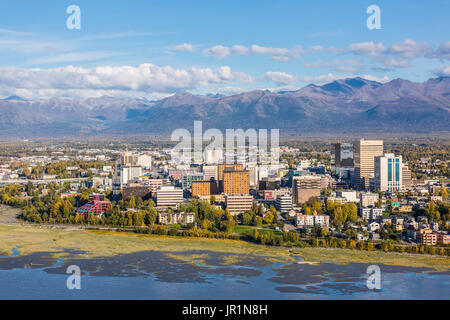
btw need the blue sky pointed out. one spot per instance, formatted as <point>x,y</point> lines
<point>156,48</point>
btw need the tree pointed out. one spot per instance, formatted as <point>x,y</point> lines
<point>353,212</point>
<point>443,192</point>
<point>132,202</point>
<point>317,206</point>
<point>257,221</point>
<point>29,188</point>
<point>268,218</point>
<point>337,216</point>
<point>246,218</point>
<point>378,204</point>
<point>324,232</point>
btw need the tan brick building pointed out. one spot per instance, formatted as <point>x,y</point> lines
<point>203,188</point>
<point>236,182</point>
<point>222,167</point>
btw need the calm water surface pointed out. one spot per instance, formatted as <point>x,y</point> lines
<point>160,275</point>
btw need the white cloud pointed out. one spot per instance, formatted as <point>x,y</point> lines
<point>74,56</point>
<point>337,65</point>
<point>218,51</point>
<point>443,52</point>
<point>148,78</point>
<point>321,79</point>
<point>15,33</point>
<point>410,49</point>
<point>240,50</point>
<point>371,48</point>
<point>184,47</point>
<point>279,54</point>
<point>442,71</point>
<point>396,62</point>
<point>280,78</point>
<point>374,78</point>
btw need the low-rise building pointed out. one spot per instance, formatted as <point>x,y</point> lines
<point>176,217</point>
<point>137,191</point>
<point>443,238</point>
<point>371,213</point>
<point>427,237</point>
<point>284,203</point>
<point>303,220</point>
<point>96,206</point>
<point>368,199</point>
<point>350,196</point>
<point>238,203</point>
<point>169,196</point>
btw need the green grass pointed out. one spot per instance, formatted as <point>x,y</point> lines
<point>241,229</point>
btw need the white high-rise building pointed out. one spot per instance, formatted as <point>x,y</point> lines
<point>129,173</point>
<point>388,173</point>
<point>144,160</point>
<point>213,156</point>
<point>253,175</point>
<point>209,171</point>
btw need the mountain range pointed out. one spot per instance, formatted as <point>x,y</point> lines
<point>347,106</point>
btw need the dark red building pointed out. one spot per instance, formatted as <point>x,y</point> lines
<point>96,206</point>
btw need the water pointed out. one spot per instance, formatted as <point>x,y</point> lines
<point>155,275</point>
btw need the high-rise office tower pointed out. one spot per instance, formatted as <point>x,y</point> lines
<point>189,177</point>
<point>222,167</point>
<point>213,156</point>
<point>204,188</point>
<point>236,182</point>
<point>343,155</point>
<point>406,176</point>
<point>388,173</point>
<point>364,158</point>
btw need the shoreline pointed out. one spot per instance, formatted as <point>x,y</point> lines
<point>91,244</point>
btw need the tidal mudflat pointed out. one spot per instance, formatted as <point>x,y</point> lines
<point>34,261</point>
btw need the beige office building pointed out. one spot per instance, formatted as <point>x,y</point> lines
<point>406,176</point>
<point>238,203</point>
<point>364,159</point>
<point>169,196</point>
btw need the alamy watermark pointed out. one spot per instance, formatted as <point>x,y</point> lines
<point>237,146</point>
<point>374,20</point>
<point>74,20</point>
<point>74,280</point>
<point>373,281</point>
